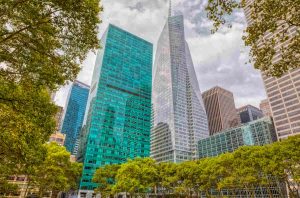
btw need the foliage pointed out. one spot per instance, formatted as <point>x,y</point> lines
<point>7,188</point>
<point>25,125</point>
<point>56,173</point>
<point>274,48</point>
<point>246,168</point>
<point>44,41</point>
<point>106,177</point>
<point>42,44</point>
<point>136,176</point>
<point>166,178</point>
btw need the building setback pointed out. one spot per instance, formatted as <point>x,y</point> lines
<point>220,109</point>
<point>74,113</point>
<point>283,93</point>
<point>265,107</point>
<point>179,118</point>
<point>249,113</point>
<point>258,132</point>
<point>118,119</point>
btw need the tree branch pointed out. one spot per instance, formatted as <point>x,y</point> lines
<point>30,26</point>
<point>13,7</point>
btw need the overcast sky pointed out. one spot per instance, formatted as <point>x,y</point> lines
<point>219,59</point>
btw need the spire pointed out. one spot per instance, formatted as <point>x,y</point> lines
<point>170,8</point>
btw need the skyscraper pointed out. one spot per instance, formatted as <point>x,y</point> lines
<point>118,120</point>
<point>249,113</point>
<point>220,109</point>
<point>283,93</point>
<point>74,113</point>
<point>265,107</point>
<point>179,118</point>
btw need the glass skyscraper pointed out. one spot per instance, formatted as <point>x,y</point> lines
<point>258,132</point>
<point>179,118</point>
<point>74,114</point>
<point>249,113</point>
<point>118,120</point>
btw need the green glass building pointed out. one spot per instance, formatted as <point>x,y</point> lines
<point>118,119</point>
<point>258,132</point>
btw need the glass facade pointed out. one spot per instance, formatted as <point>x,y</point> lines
<point>179,117</point>
<point>118,120</point>
<point>259,132</point>
<point>249,113</point>
<point>74,114</point>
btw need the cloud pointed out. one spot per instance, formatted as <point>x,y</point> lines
<point>219,59</point>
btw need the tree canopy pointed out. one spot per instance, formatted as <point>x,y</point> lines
<point>53,174</point>
<point>273,33</point>
<point>45,41</point>
<point>56,173</point>
<point>42,44</point>
<point>241,172</point>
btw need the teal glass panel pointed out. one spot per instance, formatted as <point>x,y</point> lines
<point>73,117</point>
<point>119,117</point>
<point>259,132</point>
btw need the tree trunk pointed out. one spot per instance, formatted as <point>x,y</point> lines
<point>290,193</point>
<point>207,194</point>
<point>26,189</point>
<point>269,191</point>
<point>54,194</point>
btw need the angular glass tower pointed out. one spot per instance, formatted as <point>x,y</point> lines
<point>74,114</point>
<point>118,120</point>
<point>179,117</point>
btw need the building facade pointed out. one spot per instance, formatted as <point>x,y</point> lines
<point>74,113</point>
<point>179,118</point>
<point>58,137</point>
<point>249,113</point>
<point>220,109</point>
<point>118,119</point>
<point>284,92</point>
<point>58,117</point>
<point>258,132</point>
<point>265,108</point>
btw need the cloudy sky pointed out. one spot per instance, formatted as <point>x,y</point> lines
<point>219,59</point>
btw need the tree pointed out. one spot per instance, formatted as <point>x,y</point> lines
<point>136,177</point>
<point>42,44</point>
<point>242,171</point>
<point>166,178</point>
<point>187,175</point>
<point>269,17</point>
<point>7,188</point>
<point>45,41</point>
<point>224,172</point>
<point>284,163</point>
<point>25,125</point>
<point>246,169</point>
<point>56,173</point>
<point>207,180</point>
<point>106,178</point>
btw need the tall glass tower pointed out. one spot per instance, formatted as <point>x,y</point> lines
<point>74,114</point>
<point>179,117</point>
<point>118,120</point>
